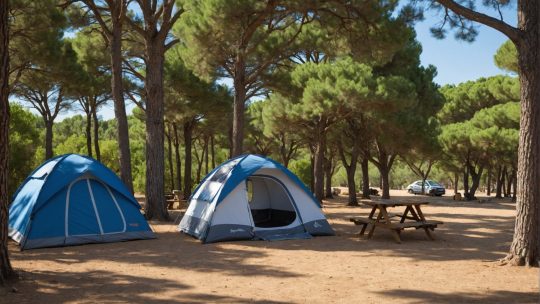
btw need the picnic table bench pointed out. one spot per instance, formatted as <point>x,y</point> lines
<point>172,198</point>
<point>383,219</point>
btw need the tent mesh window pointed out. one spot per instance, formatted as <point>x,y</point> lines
<point>45,170</point>
<point>212,185</point>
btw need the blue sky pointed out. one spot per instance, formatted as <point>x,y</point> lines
<point>459,61</point>
<point>456,61</point>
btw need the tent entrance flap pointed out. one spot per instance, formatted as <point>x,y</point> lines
<point>269,202</point>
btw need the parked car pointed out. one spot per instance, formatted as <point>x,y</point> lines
<point>430,188</point>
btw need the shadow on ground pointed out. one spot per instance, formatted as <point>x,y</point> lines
<point>106,287</point>
<point>416,296</point>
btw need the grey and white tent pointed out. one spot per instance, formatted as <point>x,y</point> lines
<point>253,197</point>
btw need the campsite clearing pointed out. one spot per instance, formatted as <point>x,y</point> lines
<point>458,267</point>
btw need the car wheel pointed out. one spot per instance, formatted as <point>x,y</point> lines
<point>410,191</point>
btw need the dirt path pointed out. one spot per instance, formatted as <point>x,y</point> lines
<point>459,267</point>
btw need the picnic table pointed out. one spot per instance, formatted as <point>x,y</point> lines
<point>172,198</point>
<point>412,217</point>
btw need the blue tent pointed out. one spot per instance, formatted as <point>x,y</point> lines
<point>73,199</point>
<point>253,197</point>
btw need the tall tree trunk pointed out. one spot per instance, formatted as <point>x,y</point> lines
<point>282,151</point>
<point>206,157</point>
<point>230,138</point>
<point>466,183</point>
<point>169,156</point>
<point>118,97</point>
<point>177,157</point>
<point>498,183</point>
<point>525,248</point>
<point>239,105</point>
<point>425,175</point>
<point>385,181</point>
<point>48,139</point>
<point>503,181</point>
<point>286,153</point>
<point>96,133</point>
<point>213,149</point>
<point>351,185</point>
<point>476,176</point>
<point>88,131</point>
<point>318,170</point>
<point>188,140</point>
<point>6,271</point>
<point>312,168</point>
<point>365,178</point>
<point>155,164</point>
<point>350,169</point>
<point>456,183</point>
<point>286,162</point>
<point>488,182</point>
<point>509,179</point>
<point>199,160</point>
<point>328,178</point>
<point>384,165</point>
<point>514,187</point>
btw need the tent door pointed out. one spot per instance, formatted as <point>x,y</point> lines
<point>270,203</point>
<point>92,209</point>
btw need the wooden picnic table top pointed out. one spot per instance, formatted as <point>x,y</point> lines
<point>392,203</point>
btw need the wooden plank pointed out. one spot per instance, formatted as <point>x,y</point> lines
<point>429,234</point>
<point>380,203</point>
<point>404,216</point>
<point>426,228</point>
<point>370,234</point>
<point>361,220</point>
<point>388,221</point>
<point>425,224</point>
<point>363,230</point>
<point>391,203</point>
<point>170,203</point>
<point>370,217</point>
<point>372,212</point>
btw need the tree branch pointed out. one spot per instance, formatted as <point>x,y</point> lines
<point>501,26</point>
<point>97,15</point>
<point>171,43</point>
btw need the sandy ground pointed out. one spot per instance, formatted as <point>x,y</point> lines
<point>459,267</point>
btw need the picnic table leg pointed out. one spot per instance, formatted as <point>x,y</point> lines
<point>369,217</point>
<point>423,219</point>
<point>415,215</point>
<point>395,234</point>
<point>405,214</point>
<point>379,216</point>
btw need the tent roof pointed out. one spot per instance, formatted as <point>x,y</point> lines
<point>245,165</point>
<point>58,172</point>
